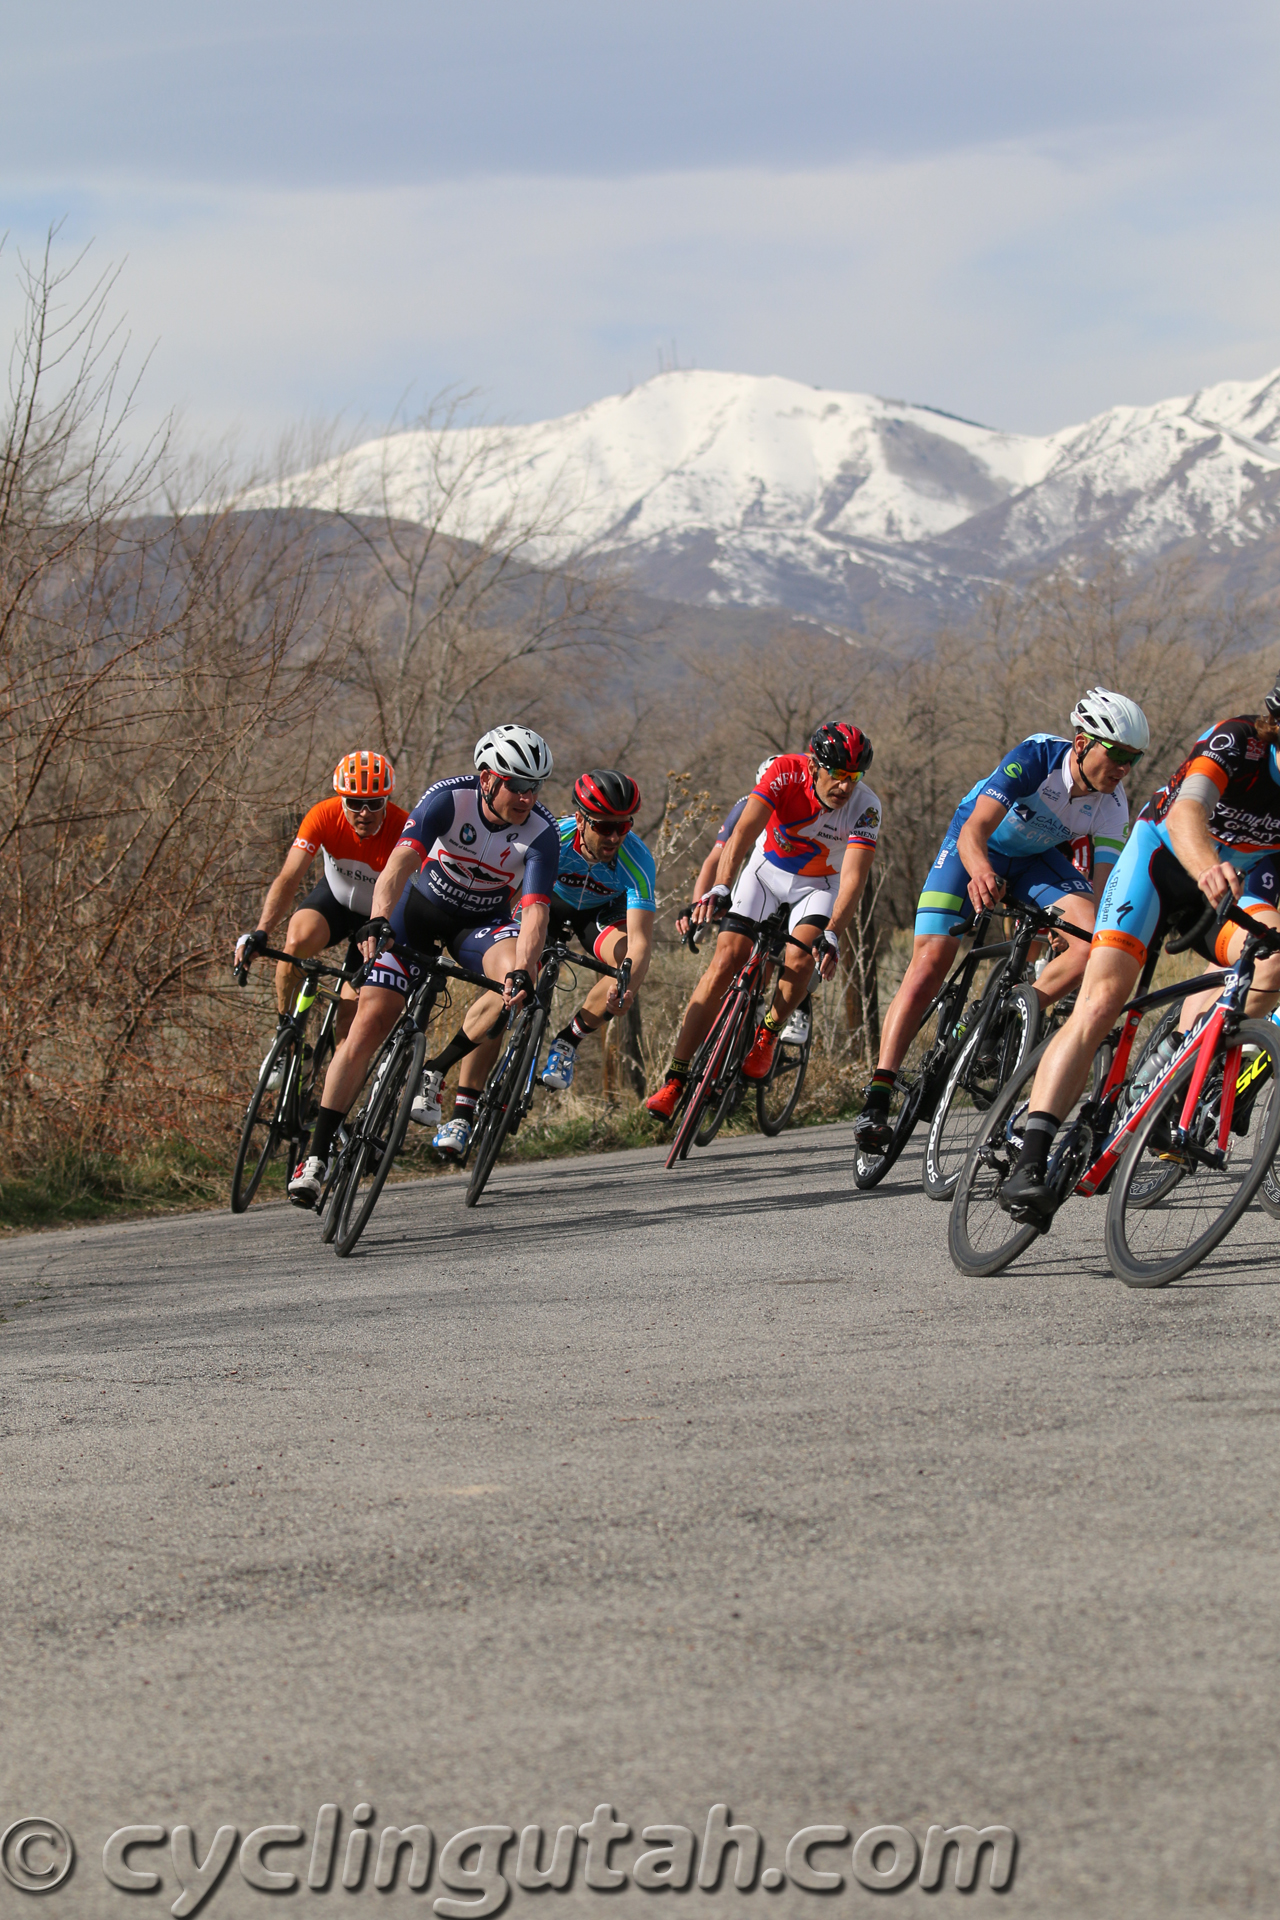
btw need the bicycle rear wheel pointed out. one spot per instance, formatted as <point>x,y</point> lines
<point>716,1050</point>
<point>776,1096</point>
<point>379,1136</point>
<point>502,1094</point>
<point>1151,1242</point>
<point>991,1056</point>
<point>268,1118</point>
<point>981,1237</point>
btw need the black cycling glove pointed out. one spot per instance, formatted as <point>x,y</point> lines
<point>519,981</point>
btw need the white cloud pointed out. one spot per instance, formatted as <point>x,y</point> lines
<point>1023,284</point>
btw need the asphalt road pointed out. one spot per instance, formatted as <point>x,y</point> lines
<point>654,1491</point>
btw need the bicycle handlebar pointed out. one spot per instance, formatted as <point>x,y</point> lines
<point>312,968</point>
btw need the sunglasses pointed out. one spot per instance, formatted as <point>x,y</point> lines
<point>616,829</point>
<point>519,786</point>
<point>362,806</point>
<point>1121,756</point>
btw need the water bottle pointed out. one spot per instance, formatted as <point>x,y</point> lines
<point>1155,1063</point>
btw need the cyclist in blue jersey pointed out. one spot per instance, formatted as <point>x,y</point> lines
<point>472,849</point>
<point>605,893</point>
<point>1016,827</point>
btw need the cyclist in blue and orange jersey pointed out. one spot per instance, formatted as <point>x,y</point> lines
<point>605,893</point>
<point>820,828</point>
<point>473,848</point>
<point>1212,833</point>
<point>1016,827</point>
<point>355,833</point>
<point>695,914</point>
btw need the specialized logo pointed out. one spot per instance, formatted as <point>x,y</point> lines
<point>467,833</point>
<point>1122,911</point>
<point>1014,767</point>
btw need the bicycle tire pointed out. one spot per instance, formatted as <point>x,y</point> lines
<point>521,1055</point>
<point>717,1045</point>
<point>790,1064</point>
<point>380,1136</point>
<point>869,1169</point>
<point>1002,1238</point>
<point>244,1186</point>
<point>1152,1185</point>
<point>1150,1246</point>
<point>1003,1036</point>
<point>733,1089</point>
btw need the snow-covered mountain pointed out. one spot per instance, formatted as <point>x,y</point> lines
<point>722,488</point>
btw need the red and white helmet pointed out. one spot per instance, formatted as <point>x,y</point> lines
<point>841,748</point>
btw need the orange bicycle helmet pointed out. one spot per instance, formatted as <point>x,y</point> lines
<point>368,776</point>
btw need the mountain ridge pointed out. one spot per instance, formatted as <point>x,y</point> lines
<point>756,491</point>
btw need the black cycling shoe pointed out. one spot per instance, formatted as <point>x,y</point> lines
<point>1027,1196</point>
<point>873,1130</point>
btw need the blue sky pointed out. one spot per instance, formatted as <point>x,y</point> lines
<point>1020,212</point>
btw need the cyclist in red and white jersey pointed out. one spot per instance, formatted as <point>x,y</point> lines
<point>695,914</point>
<point>820,827</point>
<point>356,833</point>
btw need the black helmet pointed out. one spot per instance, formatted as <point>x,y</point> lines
<point>1272,702</point>
<point>840,747</point>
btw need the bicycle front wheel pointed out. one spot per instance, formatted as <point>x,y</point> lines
<point>708,1078</point>
<point>268,1119</point>
<point>502,1094</point>
<point>726,1096</point>
<point>1153,1241</point>
<point>379,1136</point>
<point>777,1095</point>
<point>994,1052</point>
<point>981,1237</point>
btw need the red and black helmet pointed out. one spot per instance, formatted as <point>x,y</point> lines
<point>605,795</point>
<point>841,748</point>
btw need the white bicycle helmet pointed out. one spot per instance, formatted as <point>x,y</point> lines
<point>1112,717</point>
<point>518,751</point>
<point>764,767</point>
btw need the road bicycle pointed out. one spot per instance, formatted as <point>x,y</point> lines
<point>979,1042</point>
<point>716,1086</point>
<point>508,1091</point>
<point>370,1141</point>
<point>1179,1156</point>
<point>288,1111</point>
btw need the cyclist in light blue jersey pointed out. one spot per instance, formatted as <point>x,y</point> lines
<point>605,893</point>
<point>1016,827</point>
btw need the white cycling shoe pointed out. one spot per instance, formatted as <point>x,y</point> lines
<point>797,1027</point>
<point>558,1072</point>
<point>453,1139</point>
<point>308,1181</point>
<point>425,1111</point>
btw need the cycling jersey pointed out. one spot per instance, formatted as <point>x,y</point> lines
<point>627,881</point>
<point>351,865</point>
<point>731,820</point>
<point>803,836</point>
<point>1230,761</point>
<point>475,869</point>
<point>1033,782</point>
<point>1236,777</point>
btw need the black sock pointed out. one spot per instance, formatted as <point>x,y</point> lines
<point>679,1070</point>
<point>1037,1138</point>
<point>328,1120</point>
<point>880,1092</point>
<point>464,1103</point>
<point>458,1049</point>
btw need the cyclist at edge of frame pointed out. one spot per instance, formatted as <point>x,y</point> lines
<point>473,847</point>
<point>356,833</point>
<point>1016,826</point>
<point>1213,830</point>
<point>810,805</point>
<point>605,892</point>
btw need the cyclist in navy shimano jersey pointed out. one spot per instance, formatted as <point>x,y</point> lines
<point>1016,826</point>
<point>473,848</point>
<point>605,893</point>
